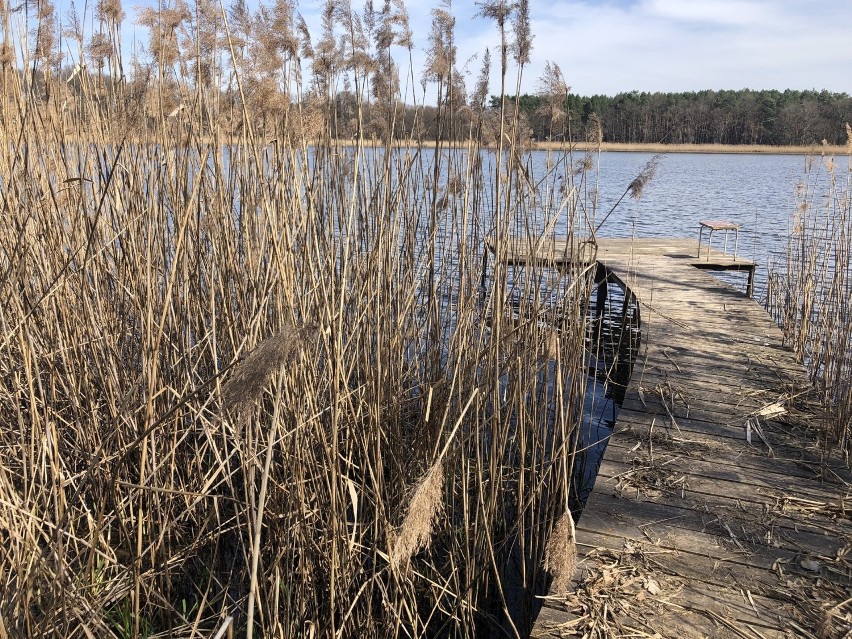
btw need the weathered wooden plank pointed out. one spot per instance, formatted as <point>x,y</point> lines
<point>702,374</point>
<point>736,479</point>
<point>666,588</point>
<point>673,528</point>
<point>689,566</point>
<point>632,442</point>
<point>699,410</point>
<point>743,516</point>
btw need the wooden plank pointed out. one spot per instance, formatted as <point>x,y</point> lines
<point>674,574</point>
<point>700,373</point>
<point>678,529</point>
<point>691,566</point>
<point>633,441</point>
<point>733,479</point>
<point>751,518</point>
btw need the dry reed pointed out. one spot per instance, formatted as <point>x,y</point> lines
<point>249,377</point>
<point>416,530</point>
<point>810,292</point>
<point>159,218</point>
<point>560,558</point>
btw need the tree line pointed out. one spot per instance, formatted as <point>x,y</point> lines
<point>701,117</point>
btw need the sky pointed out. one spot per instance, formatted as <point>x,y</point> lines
<point>612,46</point>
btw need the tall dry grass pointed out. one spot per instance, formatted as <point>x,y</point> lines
<point>250,382</point>
<point>810,292</point>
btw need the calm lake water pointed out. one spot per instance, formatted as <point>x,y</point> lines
<point>756,191</point>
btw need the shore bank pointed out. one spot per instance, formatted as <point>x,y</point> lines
<point>605,147</point>
<point>619,147</point>
<point>812,149</point>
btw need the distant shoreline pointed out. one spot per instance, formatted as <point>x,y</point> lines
<point>813,149</point>
<point>623,147</point>
<point>605,147</point>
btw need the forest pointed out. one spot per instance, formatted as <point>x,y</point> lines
<point>703,117</point>
<point>732,117</point>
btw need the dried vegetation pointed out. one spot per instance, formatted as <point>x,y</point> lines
<point>250,382</point>
<point>809,290</point>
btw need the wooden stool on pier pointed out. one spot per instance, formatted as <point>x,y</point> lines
<point>719,225</point>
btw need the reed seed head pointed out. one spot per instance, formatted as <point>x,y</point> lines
<point>6,54</point>
<point>109,11</point>
<point>523,34</point>
<point>560,558</point>
<point>637,186</point>
<point>253,373</point>
<point>416,530</point>
<point>594,130</point>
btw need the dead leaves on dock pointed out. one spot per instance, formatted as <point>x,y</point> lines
<point>821,599</point>
<point>648,589</point>
<point>624,594</point>
<point>669,396</point>
<point>650,477</point>
<point>612,593</point>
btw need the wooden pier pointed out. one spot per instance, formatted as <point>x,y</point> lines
<point>715,513</point>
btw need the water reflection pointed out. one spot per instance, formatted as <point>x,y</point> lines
<point>613,339</point>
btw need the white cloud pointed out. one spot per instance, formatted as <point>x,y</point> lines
<point>673,45</point>
<point>712,12</point>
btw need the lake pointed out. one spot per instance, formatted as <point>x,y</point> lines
<point>756,191</point>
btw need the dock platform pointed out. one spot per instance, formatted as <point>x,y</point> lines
<point>715,513</point>
<point>555,253</point>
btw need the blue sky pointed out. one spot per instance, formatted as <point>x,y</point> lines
<point>609,46</point>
